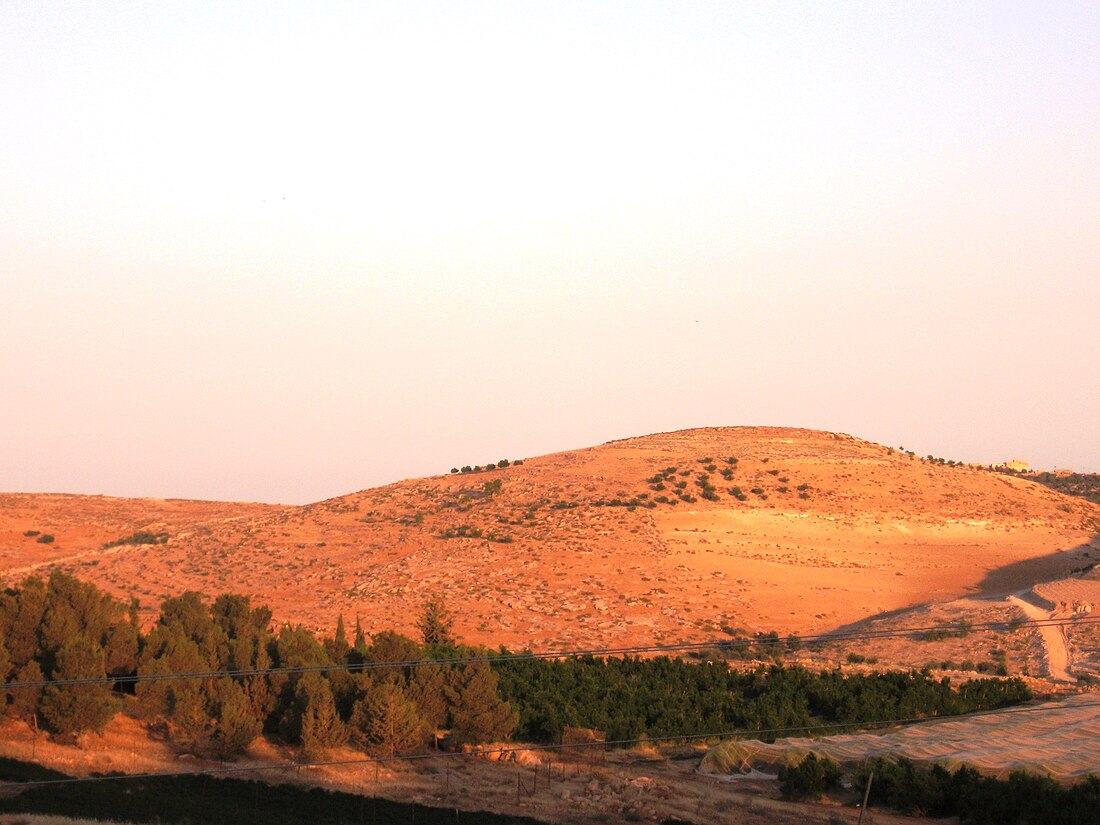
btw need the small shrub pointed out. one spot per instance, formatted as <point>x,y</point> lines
<point>809,779</point>
<point>30,533</point>
<point>45,538</point>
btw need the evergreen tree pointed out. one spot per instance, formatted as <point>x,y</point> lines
<point>428,690</point>
<point>295,647</point>
<point>5,669</point>
<point>436,624</point>
<point>319,725</point>
<point>191,723</point>
<point>360,642</point>
<point>338,646</point>
<point>389,647</point>
<point>386,722</point>
<point>71,709</point>
<point>24,701</point>
<point>22,612</point>
<point>478,712</point>
<point>236,723</point>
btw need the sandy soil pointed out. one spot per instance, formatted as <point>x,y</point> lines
<point>1060,739</point>
<point>1058,660</point>
<point>619,786</point>
<point>841,530</point>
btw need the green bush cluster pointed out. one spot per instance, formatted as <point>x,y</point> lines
<point>809,779</point>
<point>492,465</point>
<point>467,531</point>
<point>140,537</point>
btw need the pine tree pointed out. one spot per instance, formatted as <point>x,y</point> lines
<point>386,722</point>
<point>428,690</point>
<point>436,623</point>
<point>478,712</point>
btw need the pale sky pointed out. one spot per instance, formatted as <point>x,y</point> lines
<point>285,251</point>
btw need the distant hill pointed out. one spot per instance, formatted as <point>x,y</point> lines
<point>1085,485</point>
<point>661,538</point>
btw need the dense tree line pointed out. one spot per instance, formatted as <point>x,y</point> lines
<point>964,793</point>
<point>1085,485</point>
<point>65,629</point>
<point>981,800</point>
<point>364,691</point>
<point>632,697</point>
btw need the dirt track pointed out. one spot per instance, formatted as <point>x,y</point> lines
<point>1058,657</point>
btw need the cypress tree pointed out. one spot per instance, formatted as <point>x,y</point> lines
<point>320,726</point>
<point>5,669</point>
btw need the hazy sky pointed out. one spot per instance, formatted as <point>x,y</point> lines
<point>283,251</point>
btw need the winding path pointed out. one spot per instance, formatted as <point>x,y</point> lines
<point>1054,639</point>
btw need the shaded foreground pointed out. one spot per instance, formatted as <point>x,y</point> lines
<point>203,799</point>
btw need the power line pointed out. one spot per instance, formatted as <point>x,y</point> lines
<point>369,760</point>
<point>500,658</point>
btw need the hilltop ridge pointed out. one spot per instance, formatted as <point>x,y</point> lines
<point>659,538</point>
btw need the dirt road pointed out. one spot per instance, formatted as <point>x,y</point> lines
<point>1054,639</point>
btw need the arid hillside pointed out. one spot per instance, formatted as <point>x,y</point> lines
<point>661,538</point>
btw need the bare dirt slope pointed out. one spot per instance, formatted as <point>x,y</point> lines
<point>807,531</point>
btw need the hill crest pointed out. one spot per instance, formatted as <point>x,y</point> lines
<point>802,531</point>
